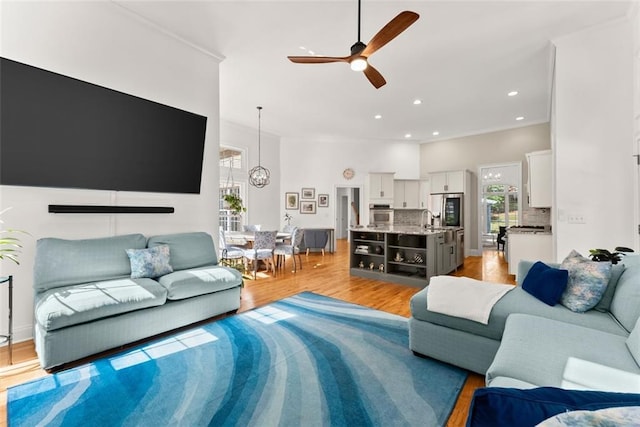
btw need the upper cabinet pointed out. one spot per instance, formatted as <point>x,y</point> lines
<point>406,194</point>
<point>539,163</point>
<point>425,193</point>
<point>448,182</point>
<point>380,186</point>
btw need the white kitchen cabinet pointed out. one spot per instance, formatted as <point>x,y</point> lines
<point>406,194</point>
<point>539,163</point>
<point>425,194</point>
<point>380,186</point>
<point>530,247</point>
<point>447,182</point>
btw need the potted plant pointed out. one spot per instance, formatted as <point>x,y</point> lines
<point>9,245</point>
<point>604,255</point>
<point>234,203</point>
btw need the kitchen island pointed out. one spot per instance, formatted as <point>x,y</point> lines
<point>401,254</point>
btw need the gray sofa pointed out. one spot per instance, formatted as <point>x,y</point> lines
<point>86,301</point>
<point>528,343</point>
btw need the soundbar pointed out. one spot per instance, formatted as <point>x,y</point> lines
<point>94,209</point>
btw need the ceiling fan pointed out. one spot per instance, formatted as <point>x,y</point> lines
<point>360,52</point>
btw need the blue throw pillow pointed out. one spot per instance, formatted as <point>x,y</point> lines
<point>587,282</point>
<point>497,406</point>
<point>151,263</point>
<point>546,283</point>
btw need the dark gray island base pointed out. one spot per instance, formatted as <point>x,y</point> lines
<point>400,254</point>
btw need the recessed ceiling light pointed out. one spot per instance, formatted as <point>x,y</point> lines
<point>407,135</point>
<point>513,93</point>
<point>519,118</point>
<point>311,52</point>
<point>377,116</point>
<point>435,133</point>
<point>417,102</point>
<point>303,48</point>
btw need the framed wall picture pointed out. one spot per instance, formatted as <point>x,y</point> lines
<point>323,200</point>
<point>308,193</point>
<point>307,207</point>
<point>291,201</point>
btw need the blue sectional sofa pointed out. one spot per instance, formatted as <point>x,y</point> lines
<point>528,343</point>
<point>86,300</point>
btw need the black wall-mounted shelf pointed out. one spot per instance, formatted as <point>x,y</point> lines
<point>93,209</point>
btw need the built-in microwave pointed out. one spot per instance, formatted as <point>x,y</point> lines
<point>380,215</point>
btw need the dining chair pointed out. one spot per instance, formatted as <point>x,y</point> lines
<point>502,231</point>
<point>262,250</point>
<point>229,253</point>
<point>251,227</point>
<point>293,248</point>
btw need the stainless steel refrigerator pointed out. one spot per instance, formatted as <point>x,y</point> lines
<point>452,210</point>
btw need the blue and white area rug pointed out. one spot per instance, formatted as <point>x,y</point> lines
<point>307,360</point>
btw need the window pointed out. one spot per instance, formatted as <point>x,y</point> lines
<point>230,158</point>
<point>501,204</point>
<point>227,220</point>
<point>232,161</point>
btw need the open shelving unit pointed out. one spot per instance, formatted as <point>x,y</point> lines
<point>407,259</point>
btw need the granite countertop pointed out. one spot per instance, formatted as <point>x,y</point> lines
<point>404,229</point>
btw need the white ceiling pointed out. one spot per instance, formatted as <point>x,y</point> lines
<point>460,58</point>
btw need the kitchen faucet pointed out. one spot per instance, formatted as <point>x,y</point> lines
<point>422,224</point>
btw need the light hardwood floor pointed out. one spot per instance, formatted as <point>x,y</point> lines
<point>327,275</point>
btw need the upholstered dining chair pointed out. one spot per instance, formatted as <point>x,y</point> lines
<point>251,227</point>
<point>262,250</point>
<point>227,252</point>
<point>283,249</point>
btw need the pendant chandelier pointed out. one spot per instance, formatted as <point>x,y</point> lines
<point>259,176</point>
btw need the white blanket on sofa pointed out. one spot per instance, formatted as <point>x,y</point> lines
<point>464,297</point>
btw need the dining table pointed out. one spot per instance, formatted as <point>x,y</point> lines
<point>248,237</point>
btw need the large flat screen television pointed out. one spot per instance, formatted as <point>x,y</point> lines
<point>57,131</point>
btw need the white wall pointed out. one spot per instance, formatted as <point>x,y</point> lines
<point>263,204</point>
<point>102,43</point>
<point>593,137</point>
<point>320,164</point>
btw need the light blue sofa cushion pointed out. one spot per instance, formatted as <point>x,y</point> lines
<point>72,305</point>
<point>536,350</point>
<point>61,262</point>
<point>625,304</point>
<point>515,301</point>
<point>633,342</point>
<point>199,281</point>
<point>188,250</point>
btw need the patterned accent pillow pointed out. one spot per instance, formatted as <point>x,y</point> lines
<point>152,262</point>
<point>587,282</point>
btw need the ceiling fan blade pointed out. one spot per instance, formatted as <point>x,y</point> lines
<point>317,59</point>
<point>390,31</point>
<point>374,77</point>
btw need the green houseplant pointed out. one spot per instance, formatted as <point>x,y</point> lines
<point>234,203</point>
<point>9,245</point>
<point>604,255</point>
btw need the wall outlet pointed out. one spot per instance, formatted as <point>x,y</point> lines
<point>576,219</point>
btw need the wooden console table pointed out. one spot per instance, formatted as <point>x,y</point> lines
<point>8,338</point>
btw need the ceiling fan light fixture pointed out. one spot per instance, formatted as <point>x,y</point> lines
<point>359,63</point>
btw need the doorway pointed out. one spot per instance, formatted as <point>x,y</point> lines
<point>500,204</point>
<point>347,210</point>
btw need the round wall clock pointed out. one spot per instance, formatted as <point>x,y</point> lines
<point>348,173</point>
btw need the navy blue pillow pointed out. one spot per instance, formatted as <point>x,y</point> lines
<point>497,406</point>
<point>546,283</point>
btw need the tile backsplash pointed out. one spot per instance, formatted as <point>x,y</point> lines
<point>536,216</point>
